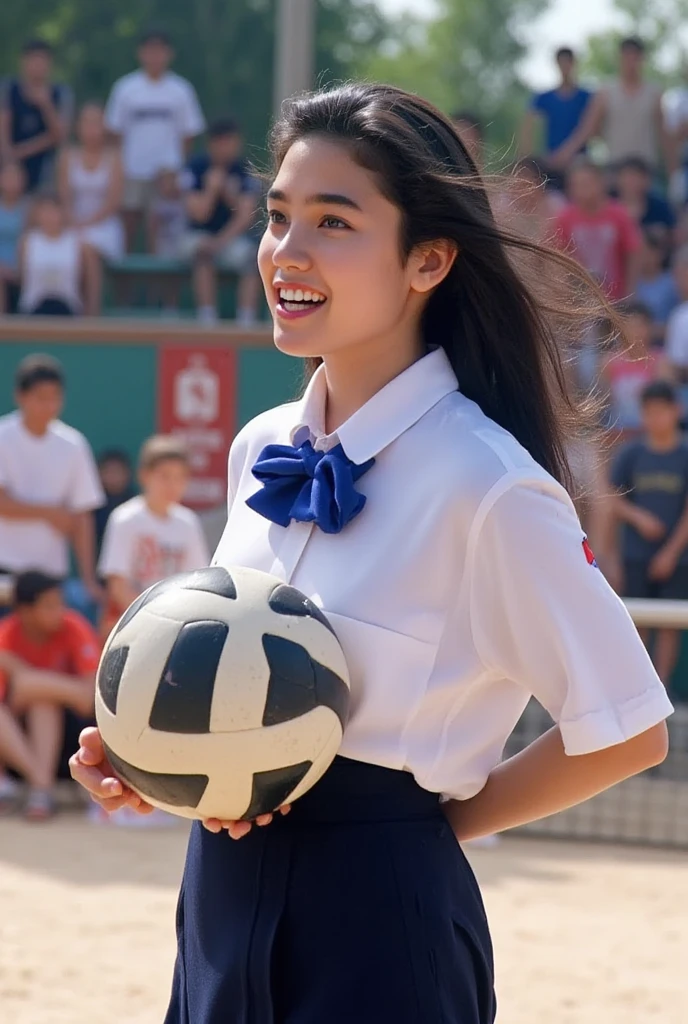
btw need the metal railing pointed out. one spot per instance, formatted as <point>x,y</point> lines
<point>650,809</point>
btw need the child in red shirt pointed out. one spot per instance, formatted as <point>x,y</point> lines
<point>599,232</point>
<point>48,660</point>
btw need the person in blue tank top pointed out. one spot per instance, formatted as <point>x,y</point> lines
<point>559,110</point>
<point>35,115</point>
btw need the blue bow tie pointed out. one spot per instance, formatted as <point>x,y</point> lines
<point>309,486</point>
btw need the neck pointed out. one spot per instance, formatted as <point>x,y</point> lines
<point>631,80</point>
<point>354,377</point>
<point>33,633</point>
<point>567,83</point>
<point>37,428</point>
<point>158,508</point>
<point>154,77</point>
<point>594,206</point>
<point>664,442</point>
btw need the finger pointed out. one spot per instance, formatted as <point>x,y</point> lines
<point>212,824</point>
<point>238,829</point>
<point>93,780</point>
<point>263,819</point>
<point>285,808</point>
<point>89,738</point>
<point>110,804</point>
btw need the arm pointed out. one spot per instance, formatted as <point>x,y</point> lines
<point>590,126</point>
<point>120,592</point>
<point>667,139</point>
<point>5,126</point>
<point>241,221</point>
<point>57,128</point>
<point>59,518</point>
<point>91,273</point>
<point>200,203</point>
<point>84,543</point>
<point>527,133</point>
<point>543,779</point>
<point>63,189</point>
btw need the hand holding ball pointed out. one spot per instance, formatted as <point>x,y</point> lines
<point>222,695</point>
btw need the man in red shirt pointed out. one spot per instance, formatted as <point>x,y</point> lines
<point>48,659</point>
<point>598,231</point>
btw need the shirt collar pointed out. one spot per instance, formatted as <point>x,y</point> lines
<point>383,418</point>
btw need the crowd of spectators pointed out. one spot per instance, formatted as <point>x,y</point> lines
<point>143,173</point>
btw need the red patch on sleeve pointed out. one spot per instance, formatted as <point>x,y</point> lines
<point>589,553</point>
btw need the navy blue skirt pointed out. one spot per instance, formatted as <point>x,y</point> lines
<point>359,907</point>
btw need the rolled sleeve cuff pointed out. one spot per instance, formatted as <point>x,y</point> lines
<point>611,725</point>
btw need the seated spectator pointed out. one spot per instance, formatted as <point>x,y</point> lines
<point>60,274</point>
<point>627,372</point>
<point>634,190</point>
<point>530,209</point>
<point>655,286</point>
<point>114,469</point>
<point>651,476</point>
<point>598,231</point>
<point>560,109</point>
<point>35,116</point>
<point>221,206</point>
<point>48,660</point>
<point>90,181</point>
<point>167,217</point>
<point>13,210</point>
<point>472,134</point>
<point>156,114</point>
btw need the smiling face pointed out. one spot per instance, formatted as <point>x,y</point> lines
<point>330,258</point>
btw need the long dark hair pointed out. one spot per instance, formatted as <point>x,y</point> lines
<point>503,311</point>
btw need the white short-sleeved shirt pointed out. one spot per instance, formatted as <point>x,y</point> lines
<point>462,588</point>
<point>676,346</point>
<point>145,548</point>
<point>55,469</point>
<point>153,116</point>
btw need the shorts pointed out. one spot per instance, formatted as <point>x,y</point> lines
<point>638,584</point>
<point>238,255</point>
<point>138,194</point>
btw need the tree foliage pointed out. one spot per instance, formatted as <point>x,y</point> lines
<point>662,27</point>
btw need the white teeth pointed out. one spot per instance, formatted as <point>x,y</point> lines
<point>298,295</point>
<point>308,297</point>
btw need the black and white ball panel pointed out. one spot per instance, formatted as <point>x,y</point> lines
<point>242,689</point>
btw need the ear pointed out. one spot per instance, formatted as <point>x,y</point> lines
<point>430,263</point>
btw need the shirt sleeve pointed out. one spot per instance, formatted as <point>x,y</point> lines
<point>538,102</point>
<point>192,121</point>
<point>84,647</point>
<point>544,617</point>
<point>65,104</point>
<point>117,551</point>
<point>86,492</point>
<point>676,342</point>
<point>197,555</point>
<point>115,110</point>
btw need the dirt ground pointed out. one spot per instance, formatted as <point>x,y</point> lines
<point>583,934</point>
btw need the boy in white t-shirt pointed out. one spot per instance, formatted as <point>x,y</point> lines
<point>148,538</point>
<point>151,536</point>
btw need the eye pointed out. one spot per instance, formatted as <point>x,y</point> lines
<point>333,222</point>
<point>276,217</point>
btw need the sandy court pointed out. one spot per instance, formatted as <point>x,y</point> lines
<point>583,934</point>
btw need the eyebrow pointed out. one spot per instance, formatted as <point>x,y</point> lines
<point>320,199</point>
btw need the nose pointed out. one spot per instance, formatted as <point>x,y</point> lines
<point>291,252</point>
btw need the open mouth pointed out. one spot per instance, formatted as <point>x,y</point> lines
<point>299,300</point>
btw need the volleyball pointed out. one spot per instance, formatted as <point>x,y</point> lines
<point>221,694</point>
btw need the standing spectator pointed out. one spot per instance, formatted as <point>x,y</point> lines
<point>656,287</point>
<point>651,475</point>
<point>114,468</point>
<point>599,232</point>
<point>627,114</point>
<point>472,134</point>
<point>156,115</point>
<point>627,372</point>
<point>676,344</point>
<point>48,481</point>
<point>167,215</point>
<point>13,209</point>
<point>35,115</point>
<point>151,536</point>
<point>529,209</point>
<point>634,190</point>
<point>60,275</point>
<point>560,110</point>
<point>90,182</point>
<point>221,205</point>
<point>48,661</point>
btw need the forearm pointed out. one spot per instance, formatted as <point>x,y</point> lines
<point>33,146</point>
<point>678,539</point>
<point>543,780</point>
<point>120,592</point>
<point>11,509</point>
<point>623,510</point>
<point>84,541</point>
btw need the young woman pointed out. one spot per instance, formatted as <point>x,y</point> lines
<point>91,183</point>
<point>450,562</point>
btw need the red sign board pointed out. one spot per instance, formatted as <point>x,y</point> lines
<point>196,401</point>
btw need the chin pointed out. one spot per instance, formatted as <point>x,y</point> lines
<point>302,345</point>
